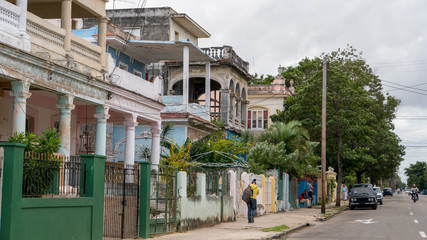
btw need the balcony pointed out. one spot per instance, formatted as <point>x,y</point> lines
<point>226,53</point>
<point>29,31</point>
<point>174,105</point>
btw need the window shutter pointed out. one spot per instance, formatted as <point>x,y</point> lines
<point>265,119</point>
<point>249,119</point>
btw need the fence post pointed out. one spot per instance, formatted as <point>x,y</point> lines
<point>144,196</point>
<point>12,190</point>
<point>95,172</point>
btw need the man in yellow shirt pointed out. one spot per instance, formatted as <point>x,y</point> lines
<point>252,201</point>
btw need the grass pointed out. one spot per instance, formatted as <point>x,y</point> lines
<point>276,228</point>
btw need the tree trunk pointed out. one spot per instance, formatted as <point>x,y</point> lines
<point>359,177</point>
<point>339,182</point>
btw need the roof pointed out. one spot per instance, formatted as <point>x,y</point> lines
<point>155,51</point>
<point>189,24</point>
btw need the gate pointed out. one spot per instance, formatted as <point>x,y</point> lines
<point>121,201</point>
<point>163,199</point>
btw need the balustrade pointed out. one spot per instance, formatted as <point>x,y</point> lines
<point>226,53</point>
<point>9,14</point>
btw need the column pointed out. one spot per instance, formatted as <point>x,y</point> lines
<point>186,74</point>
<point>22,25</point>
<point>130,123</point>
<point>208,87</point>
<point>238,112</point>
<point>245,104</point>
<point>155,142</point>
<point>20,93</point>
<point>65,105</point>
<point>225,100</point>
<point>66,23</point>
<point>102,35</point>
<point>101,116</point>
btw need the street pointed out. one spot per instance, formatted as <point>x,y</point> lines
<point>398,218</point>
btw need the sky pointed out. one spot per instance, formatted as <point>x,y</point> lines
<point>392,34</point>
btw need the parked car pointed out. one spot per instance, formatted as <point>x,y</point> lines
<point>388,191</point>
<point>379,195</point>
<point>363,197</point>
<point>424,192</point>
<point>408,191</point>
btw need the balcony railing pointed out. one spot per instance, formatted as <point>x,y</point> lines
<point>9,31</point>
<point>47,40</point>
<point>227,53</point>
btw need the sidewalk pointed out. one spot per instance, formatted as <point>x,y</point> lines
<point>241,229</point>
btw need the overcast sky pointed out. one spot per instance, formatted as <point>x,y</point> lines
<point>392,34</point>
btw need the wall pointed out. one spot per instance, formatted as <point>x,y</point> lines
<point>260,102</point>
<point>6,108</point>
<point>183,33</point>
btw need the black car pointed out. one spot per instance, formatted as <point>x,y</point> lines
<point>388,191</point>
<point>363,197</point>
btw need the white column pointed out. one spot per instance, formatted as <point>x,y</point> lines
<point>155,142</point>
<point>66,23</point>
<point>22,25</point>
<point>65,105</point>
<point>208,87</point>
<point>20,93</point>
<point>130,123</point>
<point>102,42</point>
<point>245,115</point>
<point>101,116</point>
<point>186,74</point>
<point>239,112</point>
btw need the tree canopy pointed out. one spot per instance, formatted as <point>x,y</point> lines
<point>359,116</point>
<point>417,174</point>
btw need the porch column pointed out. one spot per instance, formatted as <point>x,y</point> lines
<point>66,23</point>
<point>130,123</point>
<point>155,142</point>
<point>22,24</point>
<point>208,87</point>
<point>65,105</point>
<point>101,116</point>
<point>102,42</point>
<point>225,101</point>
<point>185,77</point>
<point>245,105</point>
<point>20,93</point>
<point>238,112</point>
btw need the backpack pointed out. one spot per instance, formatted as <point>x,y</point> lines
<point>247,194</point>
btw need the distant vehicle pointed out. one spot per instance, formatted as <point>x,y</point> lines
<point>379,195</point>
<point>408,191</point>
<point>388,191</point>
<point>363,197</point>
<point>424,192</point>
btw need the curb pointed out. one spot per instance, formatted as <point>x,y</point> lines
<point>278,235</point>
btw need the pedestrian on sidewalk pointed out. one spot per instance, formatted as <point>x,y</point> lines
<point>303,198</point>
<point>310,190</point>
<point>252,202</point>
<point>344,192</point>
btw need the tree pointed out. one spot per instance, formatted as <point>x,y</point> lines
<point>358,114</point>
<point>284,146</point>
<point>417,174</point>
<point>261,80</point>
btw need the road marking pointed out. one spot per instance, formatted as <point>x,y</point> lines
<point>423,235</point>
<point>416,221</point>
<point>366,221</point>
<point>411,213</point>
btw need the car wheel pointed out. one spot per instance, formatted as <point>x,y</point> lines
<point>381,203</point>
<point>351,207</point>
<point>374,207</point>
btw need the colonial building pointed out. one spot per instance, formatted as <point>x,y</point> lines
<point>51,77</point>
<point>185,82</point>
<point>265,100</point>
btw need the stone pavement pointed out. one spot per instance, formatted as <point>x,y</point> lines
<point>241,229</point>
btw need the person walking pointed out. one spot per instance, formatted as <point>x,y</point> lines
<point>344,192</point>
<point>252,201</point>
<point>310,190</point>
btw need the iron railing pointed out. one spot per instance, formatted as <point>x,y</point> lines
<point>53,176</point>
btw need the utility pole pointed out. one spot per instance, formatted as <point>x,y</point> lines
<point>324,137</point>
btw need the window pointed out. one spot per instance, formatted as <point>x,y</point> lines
<point>137,73</point>
<point>123,66</point>
<point>257,119</point>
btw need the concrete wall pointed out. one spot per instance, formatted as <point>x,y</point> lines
<point>201,210</point>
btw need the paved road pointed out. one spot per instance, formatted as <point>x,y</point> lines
<point>398,218</point>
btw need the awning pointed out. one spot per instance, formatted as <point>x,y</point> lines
<point>155,51</point>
